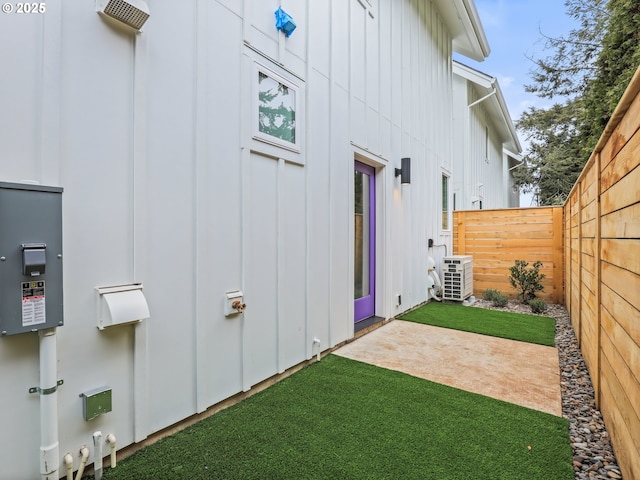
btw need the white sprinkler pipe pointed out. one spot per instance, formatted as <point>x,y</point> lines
<point>68,465</point>
<point>84,456</point>
<point>316,341</point>
<point>49,446</point>
<point>111,441</point>
<point>97,455</point>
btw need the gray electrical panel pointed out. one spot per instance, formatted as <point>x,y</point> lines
<point>30,258</point>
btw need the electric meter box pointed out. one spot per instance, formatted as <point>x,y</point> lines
<point>30,258</point>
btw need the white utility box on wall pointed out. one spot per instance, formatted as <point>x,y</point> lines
<point>457,273</point>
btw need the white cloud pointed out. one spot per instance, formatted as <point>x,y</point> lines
<point>505,81</point>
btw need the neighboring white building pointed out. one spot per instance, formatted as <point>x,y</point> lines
<point>207,154</point>
<point>489,150</point>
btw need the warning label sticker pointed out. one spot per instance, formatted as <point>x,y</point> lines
<point>33,303</point>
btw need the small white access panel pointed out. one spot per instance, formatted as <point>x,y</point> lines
<point>121,304</point>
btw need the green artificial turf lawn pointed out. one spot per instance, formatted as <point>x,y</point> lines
<point>343,419</point>
<point>514,326</point>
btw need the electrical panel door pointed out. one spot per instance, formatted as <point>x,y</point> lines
<point>30,258</point>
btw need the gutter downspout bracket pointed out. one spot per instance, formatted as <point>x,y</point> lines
<point>46,391</point>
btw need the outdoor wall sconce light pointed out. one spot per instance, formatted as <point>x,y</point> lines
<point>284,22</point>
<point>405,172</point>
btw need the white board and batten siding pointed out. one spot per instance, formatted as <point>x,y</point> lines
<point>152,138</point>
<point>487,146</point>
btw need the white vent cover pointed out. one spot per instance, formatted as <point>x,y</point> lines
<point>132,13</point>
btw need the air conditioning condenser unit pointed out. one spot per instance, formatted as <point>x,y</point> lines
<point>457,272</point>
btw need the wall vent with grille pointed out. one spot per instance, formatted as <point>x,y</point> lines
<point>132,13</point>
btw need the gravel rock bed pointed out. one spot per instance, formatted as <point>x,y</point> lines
<point>593,456</point>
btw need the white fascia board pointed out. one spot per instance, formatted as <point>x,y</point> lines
<point>514,141</point>
<point>471,74</point>
<point>467,32</point>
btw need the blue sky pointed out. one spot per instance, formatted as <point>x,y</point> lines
<point>513,30</point>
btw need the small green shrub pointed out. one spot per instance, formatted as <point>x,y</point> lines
<point>526,280</point>
<point>490,294</point>
<point>500,300</point>
<point>538,305</point>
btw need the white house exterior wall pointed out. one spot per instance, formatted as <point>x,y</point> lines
<point>480,172</point>
<point>150,136</point>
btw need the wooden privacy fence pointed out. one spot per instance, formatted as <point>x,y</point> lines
<point>599,230</point>
<point>602,269</point>
<point>497,238</point>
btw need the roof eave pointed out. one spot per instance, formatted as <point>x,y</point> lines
<point>467,32</point>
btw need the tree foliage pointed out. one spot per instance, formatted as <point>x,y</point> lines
<point>567,70</point>
<point>586,74</point>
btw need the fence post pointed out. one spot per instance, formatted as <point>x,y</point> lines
<point>461,226</point>
<point>558,245</point>
<point>580,247</point>
<point>598,272</point>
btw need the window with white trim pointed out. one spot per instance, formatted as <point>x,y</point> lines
<point>276,107</point>
<point>445,202</point>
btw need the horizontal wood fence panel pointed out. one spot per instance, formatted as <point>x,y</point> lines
<point>623,193</point>
<point>622,281</point>
<point>589,280</point>
<point>602,255</point>
<point>623,164</point>
<point>622,252</point>
<point>624,348</point>
<point>481,243</point>
<point>623,223</point>
<point>497,238</point>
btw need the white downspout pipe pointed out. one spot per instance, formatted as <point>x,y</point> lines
<point>493,92</point>
<point>49,445</point>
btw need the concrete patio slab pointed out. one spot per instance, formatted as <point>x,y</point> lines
<point>516,372</point>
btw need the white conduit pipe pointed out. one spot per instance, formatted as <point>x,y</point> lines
<point>97,455</point>
<point>111,441</point>
<point>68,465</point>
<point>84,455</point>
<point>433,280</point>
<point>438,285</point>
<point>49,446</point>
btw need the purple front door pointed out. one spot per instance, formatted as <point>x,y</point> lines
<point>365,245</point>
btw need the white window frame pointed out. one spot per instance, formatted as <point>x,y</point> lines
<point>448,198</point>
<point>264,137</point>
